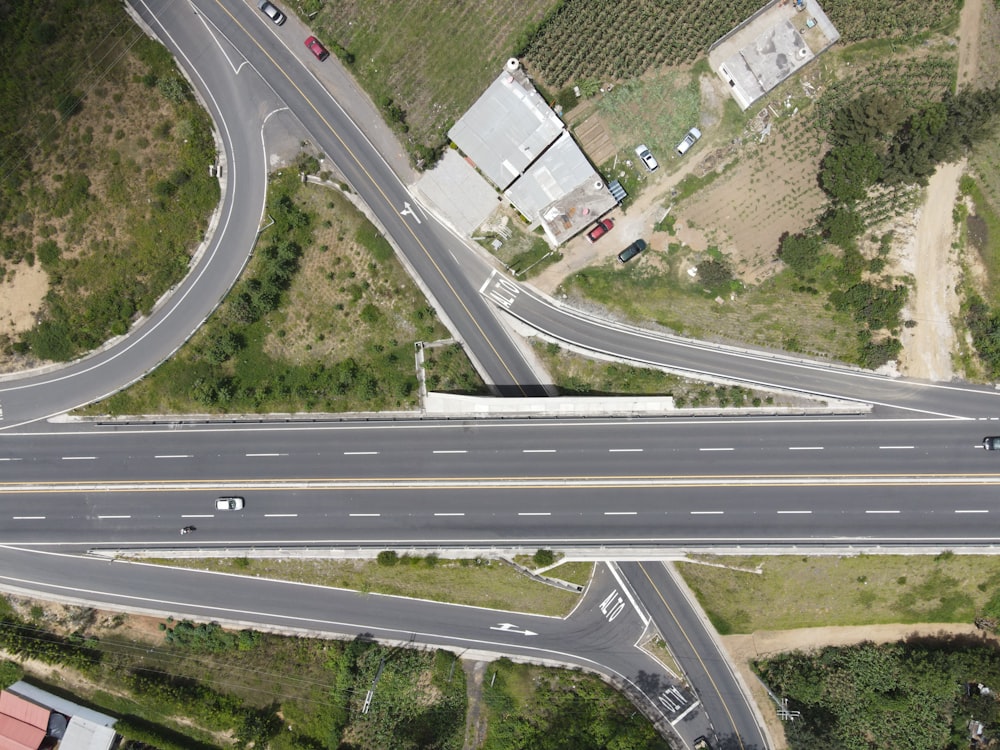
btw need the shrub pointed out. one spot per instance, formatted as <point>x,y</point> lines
<point>10,672</point>
<point>544,557</point>
<point>714,274</point>
<point>387,558</point>
<point>48,254</point>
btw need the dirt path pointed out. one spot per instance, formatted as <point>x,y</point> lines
<point>928,347</point>
<point>475,721</point>
<point>637,221</point>
<point>743,648</point>
<point>928,257</point>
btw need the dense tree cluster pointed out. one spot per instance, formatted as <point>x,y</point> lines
<point>875,140</point>
<point>918,694</point>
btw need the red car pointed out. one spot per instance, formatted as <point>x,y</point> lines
<point>602,228</point>
<point>317,49</point>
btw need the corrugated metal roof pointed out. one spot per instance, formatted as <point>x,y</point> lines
<point>86,735</point>
<point>22,723</point>
<point>507,128</point>
<point>61,705</point>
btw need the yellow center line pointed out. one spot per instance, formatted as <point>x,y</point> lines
<point>694,651</point>
<point>380,192</point>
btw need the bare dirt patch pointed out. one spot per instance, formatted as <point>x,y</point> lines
<point>743,649</point>
<point>22,293</point>
<point>770,191</point>
<point>930,258</point>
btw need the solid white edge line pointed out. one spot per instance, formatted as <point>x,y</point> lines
<point>628,593</point>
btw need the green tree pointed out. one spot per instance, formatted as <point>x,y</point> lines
<point>841,225</point>
<point>869,118</point>
<point>848,171</point>
<point>800,252</point>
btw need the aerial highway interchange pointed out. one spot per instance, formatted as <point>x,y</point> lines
<point>907,470</point>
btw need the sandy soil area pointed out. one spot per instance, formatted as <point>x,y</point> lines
<point>743,648</point>
<point>929,256</point>
<point>21,296</point>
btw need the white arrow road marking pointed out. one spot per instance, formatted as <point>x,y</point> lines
<point>408,211</point>
<point>507,627</point>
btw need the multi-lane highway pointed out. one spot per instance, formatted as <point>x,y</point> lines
<point>678,482</point>
<point>911,473</point>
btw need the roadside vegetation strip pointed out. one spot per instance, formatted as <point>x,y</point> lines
<point>550,709</point>
<point>933,691</point>
<point>859,590</point>
<point>324,319</point>
<point>574,374</point>
<point>479,582</point>
<point>105,155</point>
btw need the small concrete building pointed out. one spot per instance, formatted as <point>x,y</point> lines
<point>771,45</point>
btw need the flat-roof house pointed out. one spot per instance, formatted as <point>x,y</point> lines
<point>522,146</point>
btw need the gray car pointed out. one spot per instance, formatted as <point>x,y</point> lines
<point>271,12</point>
<point>992,443</point>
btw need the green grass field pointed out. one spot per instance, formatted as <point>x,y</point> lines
<point>480,583</point>
<point>803,592</point>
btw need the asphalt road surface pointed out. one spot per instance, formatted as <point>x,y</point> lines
<point>891,480</point>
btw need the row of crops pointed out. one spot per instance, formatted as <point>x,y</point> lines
<point>857,20</point>
<point>623,39</point>
<point>619,39</point>
<point>915,80</point>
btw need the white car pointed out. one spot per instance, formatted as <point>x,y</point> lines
<point>646,157</point>
<point>271,12</point>
<point>229,503</point>
<point>689,140</point>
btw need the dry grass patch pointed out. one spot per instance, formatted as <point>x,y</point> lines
<point>479,583</point>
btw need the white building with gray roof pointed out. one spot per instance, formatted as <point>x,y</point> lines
<point>519,143</point>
